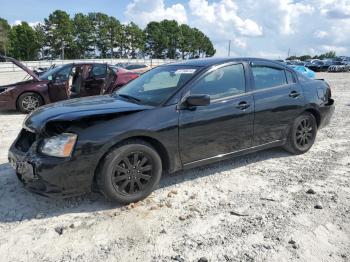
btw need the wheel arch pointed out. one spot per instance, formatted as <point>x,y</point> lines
<point>155,143</point>
<point>315,113</point>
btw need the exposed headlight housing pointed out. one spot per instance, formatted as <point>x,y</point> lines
<point>59,146</point>
<point>5,90</point>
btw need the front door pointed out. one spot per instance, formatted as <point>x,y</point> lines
<point>58,85</point>
<point>278,101</point>
<point>224,126</point>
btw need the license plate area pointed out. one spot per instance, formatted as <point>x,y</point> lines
<point>25,169</point>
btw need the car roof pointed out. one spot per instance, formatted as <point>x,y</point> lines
<point>208,62</point>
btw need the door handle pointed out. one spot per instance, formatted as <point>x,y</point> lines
<point>243,105</point>
<point>294,94</point>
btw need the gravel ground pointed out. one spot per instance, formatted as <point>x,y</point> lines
<point>266,206</point>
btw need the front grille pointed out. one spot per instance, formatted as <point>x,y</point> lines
<point>25,140</point>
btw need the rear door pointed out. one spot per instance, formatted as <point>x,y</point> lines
<point>58,86</point>
<point>224,126</point>
<point>278,101</point>
<point>95,80</point>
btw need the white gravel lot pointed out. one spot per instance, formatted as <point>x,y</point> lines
<point>252,208</point>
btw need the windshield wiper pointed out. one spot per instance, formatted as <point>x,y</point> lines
<point>129,97</point>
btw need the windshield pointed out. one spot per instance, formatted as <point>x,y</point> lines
<point>51,72</point>
<point>157,85</point>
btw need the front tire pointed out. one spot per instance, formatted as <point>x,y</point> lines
<point>302,134</point>
<point>130,172</point>
<point>28,102</point>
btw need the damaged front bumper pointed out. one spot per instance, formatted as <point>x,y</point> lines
<point>49,176</point>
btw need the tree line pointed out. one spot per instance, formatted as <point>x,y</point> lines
<point>97,35</point>
<point>328,55</point>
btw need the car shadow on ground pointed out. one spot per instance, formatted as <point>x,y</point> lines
<point>17,204</point>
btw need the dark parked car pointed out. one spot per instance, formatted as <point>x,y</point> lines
<point>318,66</point>
<point>338,66</point>
<point>173,117</point>
<point>61,83</point>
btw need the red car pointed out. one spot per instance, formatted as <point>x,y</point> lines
<point>64,82</point>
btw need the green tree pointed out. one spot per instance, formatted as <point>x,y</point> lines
<point>24,42</point>
<point>4,36</point>
<point>114,34</point>
<point>59,34</point>
<point>83,35</point>
<point>135,40</point>
<point>43,51</point>
<point>101,26</point>
<point>171,32</point>
<point>329,55</point>
<point>156,41</point>
<point>186,40</point>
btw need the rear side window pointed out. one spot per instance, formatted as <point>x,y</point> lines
<point>267,77</point>
<point>222,82</point>
<point>99,70</point>
<point>290,78</point>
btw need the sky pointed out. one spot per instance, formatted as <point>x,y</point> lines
<point>260,28</point>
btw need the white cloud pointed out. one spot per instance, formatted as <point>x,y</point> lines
<point>320,34</point>
<point>32,24</point>
<point>144,11</point>
<point>266,28</point>
<point>223,16</point>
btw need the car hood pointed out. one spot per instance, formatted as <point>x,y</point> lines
<point>20,65</point>
<point>80,108</point>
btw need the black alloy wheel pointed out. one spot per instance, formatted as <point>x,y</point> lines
<point>129,172</point>
<point>132,173</point>
<point>302,134</point>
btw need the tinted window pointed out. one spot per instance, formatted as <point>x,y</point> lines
<point>53,72</point>
<point>223,82</point>
<point>290,78</point>
<point>64,73</point>
<point>266,77</point>
<point>99,70</point>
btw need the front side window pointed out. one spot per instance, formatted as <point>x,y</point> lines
<point>63,74</point>
<point>157,85</point>
<point>221,83</point>
<point>267,77</point>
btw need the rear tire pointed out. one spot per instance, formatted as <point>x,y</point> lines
<point>302,134</point>
<point>130,172</point>
<point>28,102</point>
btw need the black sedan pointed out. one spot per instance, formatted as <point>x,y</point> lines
<point>173,117</point>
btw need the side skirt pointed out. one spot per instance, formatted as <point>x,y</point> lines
<point>233,154</point>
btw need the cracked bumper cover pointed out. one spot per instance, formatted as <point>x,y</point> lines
<point>49,176</point>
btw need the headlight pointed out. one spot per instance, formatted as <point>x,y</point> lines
<point>7,90</point>
<point>59,146</point>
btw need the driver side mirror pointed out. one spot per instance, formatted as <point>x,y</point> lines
<point>192,101</point>
<point>50,78</point>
